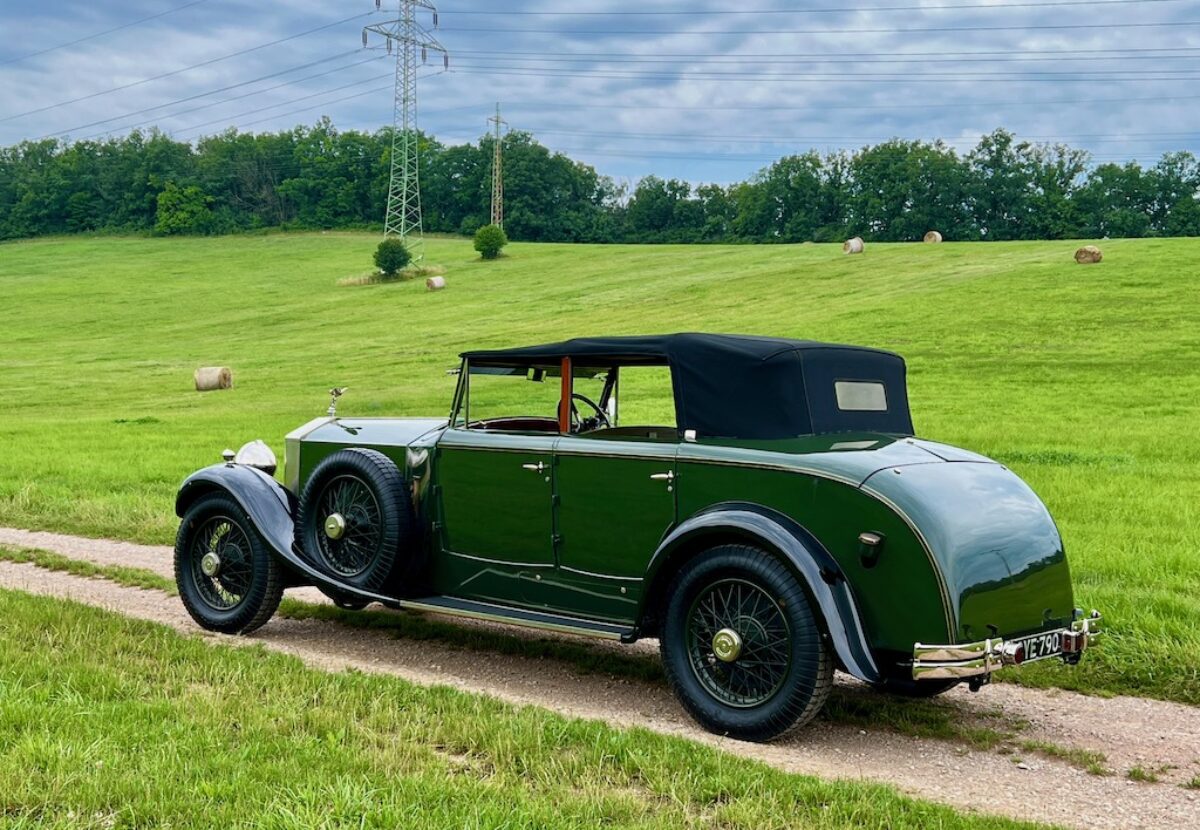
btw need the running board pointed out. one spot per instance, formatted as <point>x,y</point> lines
<point>517,616</point>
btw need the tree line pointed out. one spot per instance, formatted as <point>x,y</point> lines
<point>321,177</point>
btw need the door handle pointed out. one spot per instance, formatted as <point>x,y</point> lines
<point>534,468</point>
<point>668,476</point>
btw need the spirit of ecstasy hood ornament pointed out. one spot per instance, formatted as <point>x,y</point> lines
<point>335,393</point>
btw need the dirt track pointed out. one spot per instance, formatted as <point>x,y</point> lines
<point>1130,731</point>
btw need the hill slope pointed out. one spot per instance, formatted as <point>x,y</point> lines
<point>1086,380</point>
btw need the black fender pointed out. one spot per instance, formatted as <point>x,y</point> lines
<point>271,508</point>
<point>809,559</point>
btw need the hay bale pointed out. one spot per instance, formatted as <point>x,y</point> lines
<point>853,246</point>
<point>933,237</point>
<point>1088,254</point>
<point>435,283</point>
<point>209,378</point>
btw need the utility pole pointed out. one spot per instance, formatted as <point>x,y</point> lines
<point>403,217</point>
<point>498,170</point>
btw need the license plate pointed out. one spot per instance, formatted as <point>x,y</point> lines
<point>1041,646</point>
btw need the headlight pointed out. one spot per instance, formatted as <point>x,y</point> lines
<point>258,455</point>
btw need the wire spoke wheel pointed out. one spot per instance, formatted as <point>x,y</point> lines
<point>228,580</point>
<point>356,523</point>
<point>360,537</point>
<point>738,642</point>
<point>222,563</point>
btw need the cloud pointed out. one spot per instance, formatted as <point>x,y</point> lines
<point>710,95</point>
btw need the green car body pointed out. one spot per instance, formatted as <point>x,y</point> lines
<point>925,561</point>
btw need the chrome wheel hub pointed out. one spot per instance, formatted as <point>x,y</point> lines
<point>210,564</point>
<point>727,645</point>
<point>335,526</point>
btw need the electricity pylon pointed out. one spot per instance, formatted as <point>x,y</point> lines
<point>497,170</point>
<point>403,217</point>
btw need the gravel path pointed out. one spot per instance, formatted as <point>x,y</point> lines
<point>1130,731</point>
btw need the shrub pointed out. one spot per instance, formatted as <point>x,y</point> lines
<point>391,256</point>
<point>183,210</point>
<point>489,240</point>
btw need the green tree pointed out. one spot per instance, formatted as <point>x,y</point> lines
<point>1000,186</point>
<point>392,256</point>
<point>1116,201</point>
<point>183,210</point>
<point>489,240</point>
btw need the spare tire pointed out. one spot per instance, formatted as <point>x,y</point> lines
<point>356,520</point>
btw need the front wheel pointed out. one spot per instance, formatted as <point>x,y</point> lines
<point>228,580</point>
<point>743,649</point>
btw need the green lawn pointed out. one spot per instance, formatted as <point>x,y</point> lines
<point>1084,379</point>
<point>113,723</point>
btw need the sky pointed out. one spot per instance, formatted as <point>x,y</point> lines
<point>697,90</point>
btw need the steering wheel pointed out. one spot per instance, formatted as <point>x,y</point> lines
<point>592,421</point>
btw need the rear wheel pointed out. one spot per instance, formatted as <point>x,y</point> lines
<point>227,579</point>
<point>742,647</point>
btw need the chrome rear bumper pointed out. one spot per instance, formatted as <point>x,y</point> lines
<point>967,660</point>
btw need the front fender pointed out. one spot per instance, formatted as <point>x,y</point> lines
<point>271,507</point>
<point>810,561</point>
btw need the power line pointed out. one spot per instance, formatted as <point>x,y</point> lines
<point>829,10</point>
<point>781,139</point>
<point>1116,51</point>
<point>239,98</point>
<point>532,64</point>
<point>310,96</point>
<point>373,91</point>
<point>123,26</point>
<point>839,31</point>
<point>209,92</point>
<point>974,104</point>
<point>834,60</point>
<point>726,157</point>
<point>180,71</point>
<point>780,77</point>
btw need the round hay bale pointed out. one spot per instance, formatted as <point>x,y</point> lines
<point>209,378</point>
<point>435,283</point>
<point>933,237</point>
<point>1088,254</point>
<point>853,246</point>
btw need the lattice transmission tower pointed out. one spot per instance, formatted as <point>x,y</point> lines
<point>498,169</point>
<point>411,42</point>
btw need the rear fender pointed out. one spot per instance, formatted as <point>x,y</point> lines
<point>271,508</point>
<point>809,560</point>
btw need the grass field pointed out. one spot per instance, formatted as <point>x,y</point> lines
<point>110,722</point>
<point>1083,379</point>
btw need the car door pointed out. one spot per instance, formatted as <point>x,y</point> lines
<point>615,500</point>
<point>496,516</point>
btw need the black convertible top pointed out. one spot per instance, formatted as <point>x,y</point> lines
<point>742,386</point>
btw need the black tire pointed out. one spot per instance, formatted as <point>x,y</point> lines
<point>783,674</point>
<point>244,592</point>
<point>380,538</point>
<point>347,602</point>
<point>907,687</point>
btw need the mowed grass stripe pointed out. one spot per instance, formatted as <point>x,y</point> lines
<point>116,723</point>
<point>1082,379</point>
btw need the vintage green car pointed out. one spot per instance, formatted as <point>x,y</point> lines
<point>759,505</point>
